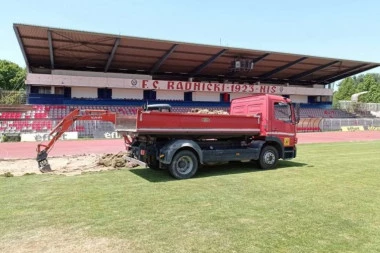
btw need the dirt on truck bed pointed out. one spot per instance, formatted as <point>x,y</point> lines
<point>207,111</point>
<point>66,165</point>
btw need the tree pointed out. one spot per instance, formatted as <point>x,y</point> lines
<point>369,84</point>
<point>351,85</point>
<point>360,78</point>
<point>12,97</point>
<point>12,76</point>
<point>346,90</point>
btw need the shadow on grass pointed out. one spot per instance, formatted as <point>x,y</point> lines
<point>156,176</point>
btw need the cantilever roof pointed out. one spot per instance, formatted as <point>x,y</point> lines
<point>46,48</point>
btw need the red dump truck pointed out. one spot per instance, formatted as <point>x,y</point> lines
<point>258,128</point>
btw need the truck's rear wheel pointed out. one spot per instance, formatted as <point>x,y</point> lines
<point>268,158</point>
<point>184,165</point>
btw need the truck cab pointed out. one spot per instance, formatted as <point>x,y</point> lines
<point>278,115</point>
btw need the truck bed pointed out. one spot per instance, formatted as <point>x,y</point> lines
<point>169,123</point>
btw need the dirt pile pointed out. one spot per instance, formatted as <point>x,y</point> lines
<point>113,160</point>
<point>207,111</point>
<point>116,160</point>
<point>67,165</point>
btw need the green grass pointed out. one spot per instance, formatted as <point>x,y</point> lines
<point>326,200</point>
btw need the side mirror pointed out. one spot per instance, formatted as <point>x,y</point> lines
<point>145,106</point>
<point>297,113</point>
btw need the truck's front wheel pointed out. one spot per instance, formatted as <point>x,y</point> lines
<point>268,158</point>
<point>184,165</point>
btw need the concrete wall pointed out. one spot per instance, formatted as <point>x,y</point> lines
<point>171,95</point>
<point>202,96</point>
<point>127,94</point>
<point>237,95</point>
<point>84,92</point>
<point>298,98</point>
<point>113,82</point>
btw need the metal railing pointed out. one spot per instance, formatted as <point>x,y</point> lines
<point>309,125</point>
<point>354,107</point>
<point>12,97</point>
<point>337,124</point>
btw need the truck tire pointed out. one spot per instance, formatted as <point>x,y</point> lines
<point>184,165</point>
<point>268,158</point>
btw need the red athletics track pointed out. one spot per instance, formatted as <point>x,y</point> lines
<point>325,137</point>
<point>20,150</point>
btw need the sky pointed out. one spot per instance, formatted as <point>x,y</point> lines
<point>346,29</point>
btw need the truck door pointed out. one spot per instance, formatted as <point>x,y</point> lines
<point>283,123</point>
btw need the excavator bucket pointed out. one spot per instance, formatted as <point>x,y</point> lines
<point>45,168</point>
<point>43,163</point>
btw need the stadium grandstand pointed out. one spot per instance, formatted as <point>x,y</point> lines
<point>76,69</point>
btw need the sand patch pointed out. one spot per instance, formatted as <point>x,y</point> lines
<point>66,165</point>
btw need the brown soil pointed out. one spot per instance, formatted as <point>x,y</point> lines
<point>207,111</point>
<point>67,165</point>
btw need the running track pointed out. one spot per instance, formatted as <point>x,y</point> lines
<point>23,150</point>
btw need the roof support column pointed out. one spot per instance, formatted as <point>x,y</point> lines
<point>51,51</point>
<point>158,64</point>
<point>311,71</point>
<point>279,69</point>
<point>352,71</point>
<point>112,54</point>
<point>201,67</point>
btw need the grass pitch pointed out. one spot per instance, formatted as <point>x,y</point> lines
<point>326,200</point>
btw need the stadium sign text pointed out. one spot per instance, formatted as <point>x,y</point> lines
<point>374,128</point>
<point>352,128</point>
<point>46,137</point>
<point>147,84</point>
<point>210,87</point>
<point>100,134</point>
<point>112,135</point>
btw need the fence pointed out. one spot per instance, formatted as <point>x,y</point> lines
<point>309,125</point>
<point>337,124</point>
<point>85,129</point>
<point>100,129</point>
<point>351,106</point>
<point>12,97</point>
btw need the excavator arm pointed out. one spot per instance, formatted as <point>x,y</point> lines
<point>44,149</point>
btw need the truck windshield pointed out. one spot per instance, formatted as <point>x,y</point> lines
<point>282,111</point>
